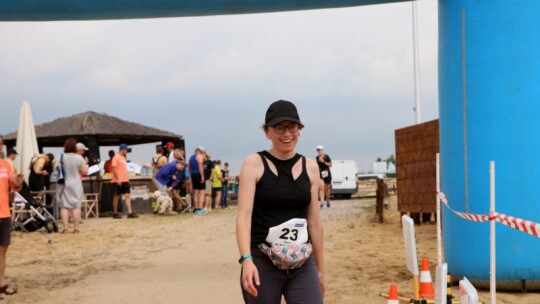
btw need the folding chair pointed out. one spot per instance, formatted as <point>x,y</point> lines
<point>19,209</point>
<point>90,205</point>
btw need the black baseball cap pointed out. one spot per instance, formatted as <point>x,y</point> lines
<point>281,110</point>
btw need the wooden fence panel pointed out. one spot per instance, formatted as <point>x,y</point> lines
<point>416,150</point>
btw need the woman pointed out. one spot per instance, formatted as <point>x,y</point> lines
<point>38,171</point>
<point>279,185</point>
<point>70,194</point>
<point>217,178</point>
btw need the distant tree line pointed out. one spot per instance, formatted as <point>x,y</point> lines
<point>389,160</point>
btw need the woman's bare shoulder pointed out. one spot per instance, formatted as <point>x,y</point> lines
<point>252,160</point>
<point>312,168</point>
<point>311,163</point>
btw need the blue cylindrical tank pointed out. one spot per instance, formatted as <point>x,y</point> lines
<point>489,82</point>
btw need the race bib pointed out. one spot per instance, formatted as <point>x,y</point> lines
<point>293,231</point>
<point>324,174</point>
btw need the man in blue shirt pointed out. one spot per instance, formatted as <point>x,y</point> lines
<point>171,176</point>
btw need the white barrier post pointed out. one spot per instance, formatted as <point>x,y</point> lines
<point>409,239</point>
<point>438,206</point>
<point>492,266</point>
<point>468,293</point>
<point>441,284</point>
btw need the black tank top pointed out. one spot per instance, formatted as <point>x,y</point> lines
<point>278,198</point>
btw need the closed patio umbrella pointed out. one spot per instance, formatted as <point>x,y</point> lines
<point>26,144</point>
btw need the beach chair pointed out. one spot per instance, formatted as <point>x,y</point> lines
<point>90,205</point>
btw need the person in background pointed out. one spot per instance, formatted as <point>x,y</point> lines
<point>208,166</point>
<point>49,167</point>
<point>170,151</point>
<point>217,178</point>
<point>279,188</point>
<point>178,154</point>
<point>1,147</point>
<point>158,161</point>
<point>38,171</point>
<point>181,154</point>
<point>11,155</point>
<point>70,194</point>
<point>81,150</point>
<point>121,178</point>
<point>225,185</point>
<point>170,177</point>
<point>185,187</point>
<point>324,162</point>
<point>107,167</point>
<point>196,172</point>
<point>8,181</point>
<point>179,192</point>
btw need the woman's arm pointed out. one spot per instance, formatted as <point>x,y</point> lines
<point>38,167</point>
<point>212,174</point>
<point>220,176</point>
<point>315,225</point>
<point>15,182</point>
<point>200,161</point>
<point>250,172</point>
<point>84,168</point>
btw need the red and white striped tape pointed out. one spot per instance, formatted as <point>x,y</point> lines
<point>467,216</point>
<point>522,225</point>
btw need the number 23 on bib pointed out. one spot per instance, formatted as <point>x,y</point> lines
<point>292,232</point>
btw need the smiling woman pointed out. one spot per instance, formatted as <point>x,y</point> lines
<point>278,225</point>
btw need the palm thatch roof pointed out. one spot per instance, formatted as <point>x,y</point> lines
<point>107,130</point>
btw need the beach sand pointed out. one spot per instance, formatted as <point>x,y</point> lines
<point>193,259</point>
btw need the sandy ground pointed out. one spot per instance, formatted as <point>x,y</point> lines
<point>193,259</point>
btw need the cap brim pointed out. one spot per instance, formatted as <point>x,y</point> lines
<point>277,120</point>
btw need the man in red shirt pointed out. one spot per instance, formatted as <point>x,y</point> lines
<point>121,178</point>
<point>7,180</point>
<point>107,167</point>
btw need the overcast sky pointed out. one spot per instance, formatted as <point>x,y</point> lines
<point>211,79</point>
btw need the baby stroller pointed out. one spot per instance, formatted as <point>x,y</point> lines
<point>36,216</point>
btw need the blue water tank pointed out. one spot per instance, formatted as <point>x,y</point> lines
<point>489,82</point>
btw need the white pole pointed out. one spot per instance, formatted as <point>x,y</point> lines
<point>438,204</point>
<point>418,113</point>
<point>492,268</point>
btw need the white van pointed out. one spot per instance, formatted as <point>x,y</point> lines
<point>368,176</point>
<point>344,177</point>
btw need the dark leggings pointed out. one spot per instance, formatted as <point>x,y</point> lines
<point>299,286</point>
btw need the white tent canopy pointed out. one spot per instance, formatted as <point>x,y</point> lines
<point>26,144</point>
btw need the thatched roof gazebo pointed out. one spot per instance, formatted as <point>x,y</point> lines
<point>96,129</point>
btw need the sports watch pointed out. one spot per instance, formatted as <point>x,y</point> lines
<point>245,257</point>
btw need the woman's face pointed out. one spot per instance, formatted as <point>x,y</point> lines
<point>284,136</point>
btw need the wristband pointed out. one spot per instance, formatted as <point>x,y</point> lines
<point>245,257</point>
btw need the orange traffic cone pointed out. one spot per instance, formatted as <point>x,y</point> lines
<point>426,286</point>
<point>392,295</point>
